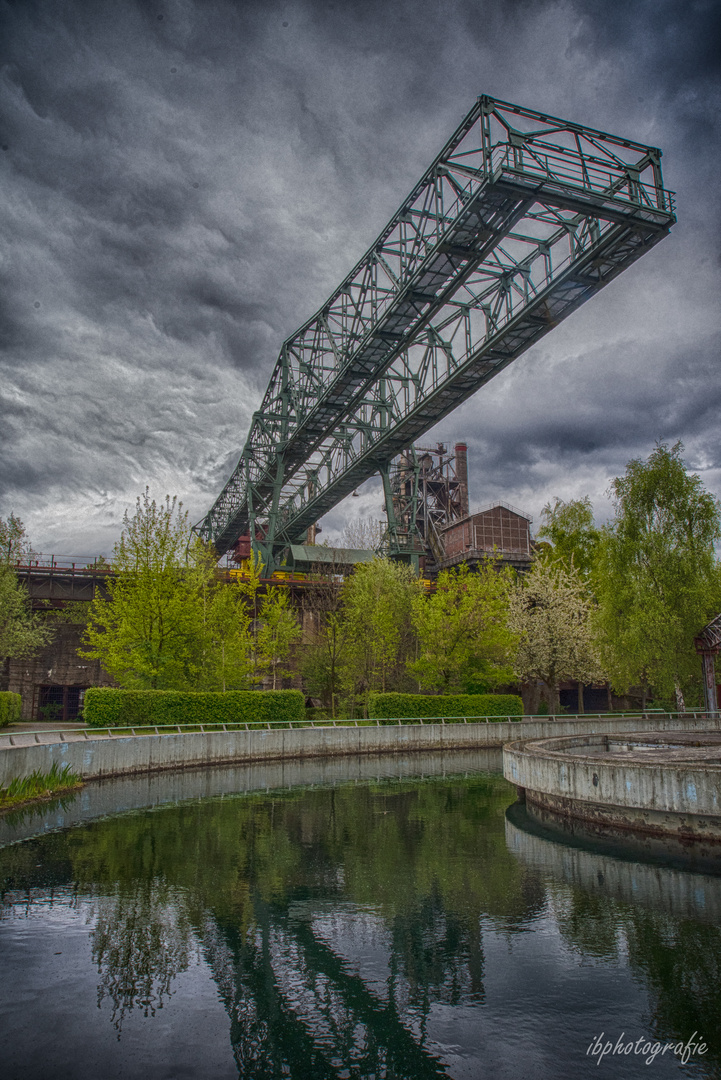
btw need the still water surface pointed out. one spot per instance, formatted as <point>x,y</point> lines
<point>350,920</point>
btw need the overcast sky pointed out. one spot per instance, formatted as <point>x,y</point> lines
<point>184,182</point>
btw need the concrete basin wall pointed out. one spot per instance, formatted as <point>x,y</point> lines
<point>98,755</point>
<point>653,783</point>
<point>560,768</point>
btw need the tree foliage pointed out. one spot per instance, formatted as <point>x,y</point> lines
<point>227,646</point>
<point>278,633</point>
<point>167,622</point>
<point>377,602</point>
<point>571,529</point>
<point>658,579</point>
<point>551,613</point>
<point>464,639</point>
<point>22,632</point>
<point>364,534</point>
<point>15,546</point>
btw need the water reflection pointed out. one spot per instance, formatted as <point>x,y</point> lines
<point>390,928</point>
<point>140,942</point>
<point>666,921</point>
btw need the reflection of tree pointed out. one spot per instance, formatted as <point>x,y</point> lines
<point>682,965</point>
<point>428,859</point>
<point>680,962</point>
<point>590,925</point>
<point>141,941</point>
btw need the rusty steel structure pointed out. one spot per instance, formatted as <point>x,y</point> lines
<point>708,645</point>
<point>425,489</point>
<point>519,220</point>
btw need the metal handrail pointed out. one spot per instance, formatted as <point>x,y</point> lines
<point>137,730</point>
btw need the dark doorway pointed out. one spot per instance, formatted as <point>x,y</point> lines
<point>595,699</point>
<point>58,704</point>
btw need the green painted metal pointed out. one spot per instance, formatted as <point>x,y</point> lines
<point>519,220</point>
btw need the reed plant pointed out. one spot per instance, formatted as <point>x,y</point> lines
<point>39,785</point>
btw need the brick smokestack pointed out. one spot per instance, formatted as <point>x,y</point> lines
<point>462,475</point>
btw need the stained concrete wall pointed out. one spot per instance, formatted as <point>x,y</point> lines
<point>556,771</point>
<point>125,793</point>
<point>100,756</point>
<point>58,664</point>
<point>663,888</point>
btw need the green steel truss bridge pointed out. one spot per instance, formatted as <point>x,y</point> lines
<point>519,220</point>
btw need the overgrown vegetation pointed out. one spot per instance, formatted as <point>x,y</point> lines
<point>39,785</point>
<point>10,708</point>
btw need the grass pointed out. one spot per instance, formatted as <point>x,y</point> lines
<point>38,786</point>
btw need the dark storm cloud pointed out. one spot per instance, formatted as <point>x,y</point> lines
<point>185,182</point>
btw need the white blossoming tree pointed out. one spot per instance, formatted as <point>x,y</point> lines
<point>551,613</point>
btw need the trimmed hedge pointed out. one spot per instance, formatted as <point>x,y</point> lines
<point>108,707</point>
<point>450,706</point>
<point>10,708</point>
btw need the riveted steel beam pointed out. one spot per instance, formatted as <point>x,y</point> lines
<point>519,220</point>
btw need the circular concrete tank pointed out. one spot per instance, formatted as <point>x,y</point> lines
<point>658,783</point>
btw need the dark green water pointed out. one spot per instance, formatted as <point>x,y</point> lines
<point>386,927</point>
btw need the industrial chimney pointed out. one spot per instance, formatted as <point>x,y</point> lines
<point>462,475</point>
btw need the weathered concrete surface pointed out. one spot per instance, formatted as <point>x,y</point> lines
<point>99,755</point>
<point>650,782</point>
<point>122,794</point>
<point>670,889</point>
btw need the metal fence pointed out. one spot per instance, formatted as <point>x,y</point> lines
<point>125,730</point>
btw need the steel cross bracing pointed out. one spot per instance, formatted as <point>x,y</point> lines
<point>519,220</point>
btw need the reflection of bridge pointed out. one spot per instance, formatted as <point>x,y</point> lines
<point>298,1010</point>
<point>519,220</point>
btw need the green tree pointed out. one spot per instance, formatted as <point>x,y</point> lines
<point>658,580</point>
<point>149,632</point>
<point>377,602</point>
<point>227,640</point>
<point>551,613</point>
<point>279,631</point>
<point>327,632</point>
<point>15,546</point>
<point>463,634</point>
<point>570,528</point>
<point>22,633</point>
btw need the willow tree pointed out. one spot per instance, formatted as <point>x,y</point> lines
<point>570,528</point>
<point>657,577</point>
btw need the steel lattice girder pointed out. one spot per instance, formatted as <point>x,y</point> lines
<point>518,221</point>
